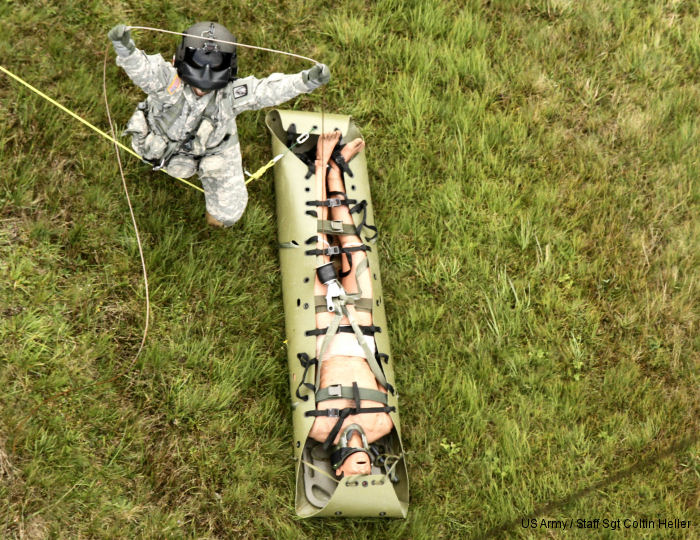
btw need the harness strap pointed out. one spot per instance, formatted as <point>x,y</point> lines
<point>329,332</point>
<point>169,116</point>
<point>374,366</point>
<point>365,330</point>
<point>361,304</point>
<point>347,392</point>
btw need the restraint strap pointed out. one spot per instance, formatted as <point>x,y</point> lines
<point>306,363</point>
<point>362,207</point>
<point>347,251</point>
<point>341,415</point>
<point>336,226</point>
<point>365,330</point>
<point>337,391</point>
<point>361,304</point>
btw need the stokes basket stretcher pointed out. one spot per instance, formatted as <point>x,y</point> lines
<point>384,492</point>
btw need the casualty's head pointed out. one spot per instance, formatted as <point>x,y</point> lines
<point>203,63</point>
<point>351,456</point>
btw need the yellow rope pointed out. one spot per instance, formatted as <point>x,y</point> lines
<point>88,124</point>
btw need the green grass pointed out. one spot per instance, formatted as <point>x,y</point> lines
<point>534,172</point>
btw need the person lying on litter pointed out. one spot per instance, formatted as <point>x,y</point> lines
<point>187,122</point>
<point>344,362</point>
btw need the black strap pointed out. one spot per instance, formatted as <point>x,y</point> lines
<point>340,160</point>
<point>366,330</point>
<point>342,414</point>
<point>347,252</point>
<point>330,251</point>
<point>336,250</point>
<point>291,134</point>
<point>362,207</point>
<point>306,363</point>
<point>347,411</point>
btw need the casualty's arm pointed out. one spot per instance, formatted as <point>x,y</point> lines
<point>278,88</point>
<point>150,73</point>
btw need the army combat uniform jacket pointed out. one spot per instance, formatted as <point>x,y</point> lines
<point>186,134</point>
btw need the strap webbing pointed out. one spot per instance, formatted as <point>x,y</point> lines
<point>361,304</point>
<point>306,363</point>
<point>365,330</point>
<point>346,392</point>
<point>342,414</point>
<point>335,227</point>
<point>362,207</point>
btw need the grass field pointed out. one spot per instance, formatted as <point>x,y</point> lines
<point>534,169</point>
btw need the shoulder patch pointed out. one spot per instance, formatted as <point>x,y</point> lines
<point>174,85</point>
<point>240,91</point>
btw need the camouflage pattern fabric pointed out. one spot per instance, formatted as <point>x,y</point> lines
<point>198,134</point>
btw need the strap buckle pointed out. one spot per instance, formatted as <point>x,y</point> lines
<point>332,203</point>
<point>334,291</point>
<point>337,225</point>
<point>333,250</point>
<point>160,165</point>
<point>333,413</point>
<point>335,390</point>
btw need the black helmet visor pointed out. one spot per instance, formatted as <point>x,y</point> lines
<point>207,69</point>
<point>202,56</point>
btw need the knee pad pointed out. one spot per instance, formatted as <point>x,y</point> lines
<point>226,198</point>
<point>181,166</point>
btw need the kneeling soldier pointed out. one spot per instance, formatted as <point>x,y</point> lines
<point>187,123</point>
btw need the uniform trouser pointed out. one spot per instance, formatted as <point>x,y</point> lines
<point>222,178</point>
<point>221,174</point>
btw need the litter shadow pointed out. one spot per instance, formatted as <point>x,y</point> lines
<point>680,446</point>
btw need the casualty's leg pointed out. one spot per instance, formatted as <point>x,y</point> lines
<point>225,193</point>
<point>350,282</point>
<point>357,463</point>
<point>324,148</point>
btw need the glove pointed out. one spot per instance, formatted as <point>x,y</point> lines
<point>316,76</point>
<point>121,39</point>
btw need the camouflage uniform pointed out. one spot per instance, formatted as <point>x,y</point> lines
<point>191,134</point>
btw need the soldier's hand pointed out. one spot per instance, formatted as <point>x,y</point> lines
<point>317,75</point>
<point>121,39</point>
